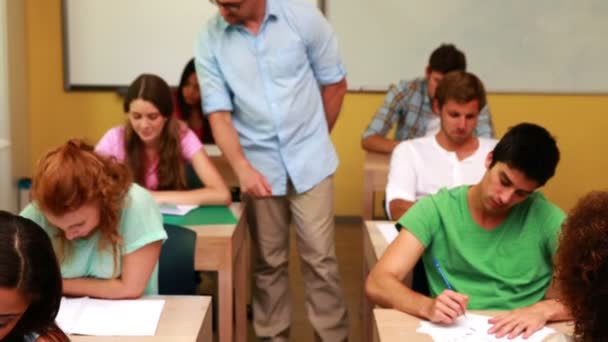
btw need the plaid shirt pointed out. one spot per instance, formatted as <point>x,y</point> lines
<point>408,105</point>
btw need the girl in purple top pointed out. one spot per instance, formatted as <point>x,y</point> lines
<point>156,147</point>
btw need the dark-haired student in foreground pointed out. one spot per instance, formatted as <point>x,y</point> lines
<point>30,283</point>
<point>495,242</point>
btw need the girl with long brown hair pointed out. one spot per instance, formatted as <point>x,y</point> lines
<point>156,147</point>
<point>106,231</point>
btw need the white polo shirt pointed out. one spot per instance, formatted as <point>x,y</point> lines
<point>420,167</point>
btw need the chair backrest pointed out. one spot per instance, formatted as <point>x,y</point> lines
<point>176,275</point>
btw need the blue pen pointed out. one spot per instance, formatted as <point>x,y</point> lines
<point>445,279</point>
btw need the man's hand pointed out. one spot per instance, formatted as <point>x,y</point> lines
<point>253,183</point>
<point>448,306</point>
<point>524,321</point>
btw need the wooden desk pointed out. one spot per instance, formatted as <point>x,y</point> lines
<point>375,174</point>
<point>184,319</point>
<point>392,325</point>
<point>374,246</point>
<point>222,165</point>
<point>222,248</point>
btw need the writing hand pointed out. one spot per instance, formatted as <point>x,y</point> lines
<point>524,321</point>
<point>446,307</point>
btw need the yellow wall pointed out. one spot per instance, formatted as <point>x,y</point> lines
<point>56,115</point>
<point>580,123</point>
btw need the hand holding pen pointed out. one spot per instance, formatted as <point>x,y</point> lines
<point>449,305</point>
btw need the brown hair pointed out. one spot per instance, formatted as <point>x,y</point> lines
<point>73,175</point>
<point>447,58</point>
<point>582,266</point>
<point>462,87</point>
<point>171,171</point>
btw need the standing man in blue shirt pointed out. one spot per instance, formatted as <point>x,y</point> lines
<point>273,84</point>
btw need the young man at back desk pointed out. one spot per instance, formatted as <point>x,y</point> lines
<point>494,240</point>
<point>408,105</point>
<point>454,156</point>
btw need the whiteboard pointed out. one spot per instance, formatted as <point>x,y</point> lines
<point>520,46</point>
<point>107,43</point>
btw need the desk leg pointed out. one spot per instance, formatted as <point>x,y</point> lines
<point>366,306</point>
<point>225,301</point>
<point>240,289</point>
<point>368,196</point>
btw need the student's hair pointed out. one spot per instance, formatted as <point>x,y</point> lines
<point>462,87</point>
<point>73,175</point>
<point>581,266</point>
<point>171,171</point>
<point>447,58</point>
<point>530,149</point>
<point>185,108</point>
<point>28,264</point>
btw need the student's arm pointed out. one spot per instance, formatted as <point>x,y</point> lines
<point>398,207</point>
<point>374,138</point>
<point>137,267</point>
<point>333,96</point>
<point>384,284</point>
<point>379,144</point>
<point>214,191</point>
<point>251,180</point>
<point>526,321</point>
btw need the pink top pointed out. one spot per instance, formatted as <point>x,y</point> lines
<point>113,144</point>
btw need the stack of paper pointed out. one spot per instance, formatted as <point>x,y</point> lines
<point>176,209</point>
<point>101,317</point>
<point>473,328</point>
<point>389,231</point>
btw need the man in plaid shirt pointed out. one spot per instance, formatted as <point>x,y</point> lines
<point>408,104</point>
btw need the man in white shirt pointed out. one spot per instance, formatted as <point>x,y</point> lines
<point>453,156</point>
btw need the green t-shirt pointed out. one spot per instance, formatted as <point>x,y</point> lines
<point>504,268</point>
<point>140,224</point>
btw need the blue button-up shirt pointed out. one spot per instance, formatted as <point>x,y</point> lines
<point>271,84</point>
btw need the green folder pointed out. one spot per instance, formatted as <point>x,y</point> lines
<point>211,214</point>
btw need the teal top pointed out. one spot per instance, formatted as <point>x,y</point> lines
<point>504,268</point>
<point>140,224</point>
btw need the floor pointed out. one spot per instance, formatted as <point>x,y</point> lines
<point>350,257</point>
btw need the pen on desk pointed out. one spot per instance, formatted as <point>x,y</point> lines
<point>445,279</point>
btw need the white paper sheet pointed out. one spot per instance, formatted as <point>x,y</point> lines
<point>212,150</point>
<point>101,317</point>
<point>176,209</point>
<point>473,327</point>
<point>389,231</point>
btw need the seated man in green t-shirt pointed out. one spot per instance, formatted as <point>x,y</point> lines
<point>494,241</point>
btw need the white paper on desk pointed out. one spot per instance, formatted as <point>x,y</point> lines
<point>389,231</point>
<point>102,317</point>
<point>176,209</point>
<point>212,150</point>
<point>473,327</point>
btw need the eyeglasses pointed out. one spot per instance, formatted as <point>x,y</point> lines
<point>232,7</point>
